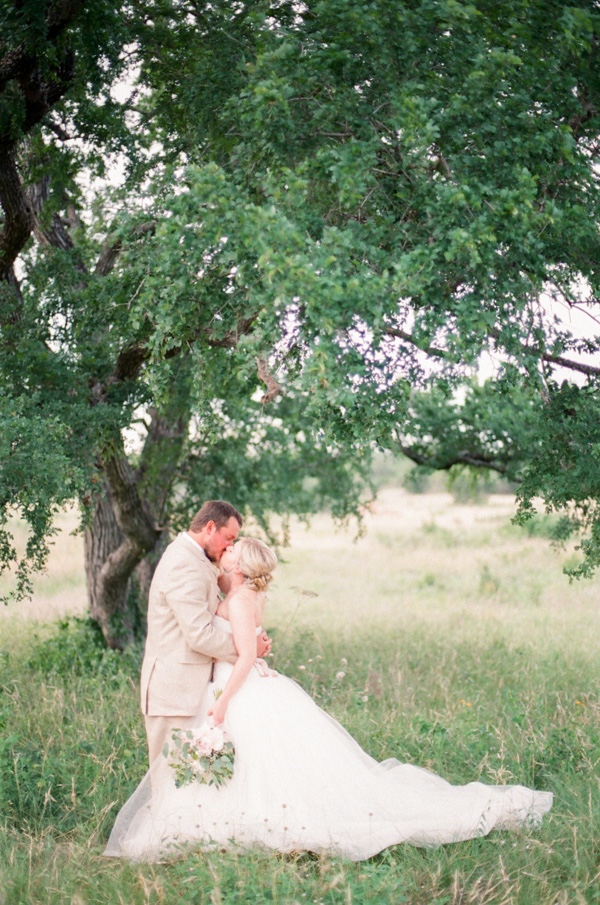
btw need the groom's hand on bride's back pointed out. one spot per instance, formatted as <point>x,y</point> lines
<point>263,645</point>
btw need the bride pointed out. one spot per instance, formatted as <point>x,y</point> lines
<point>300,781</point>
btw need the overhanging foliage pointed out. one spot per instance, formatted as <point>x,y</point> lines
<point>362,197</point>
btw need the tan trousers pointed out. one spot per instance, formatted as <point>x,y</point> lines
<point>158,731</point>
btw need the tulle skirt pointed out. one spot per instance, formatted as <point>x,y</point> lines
<point>301,782</point>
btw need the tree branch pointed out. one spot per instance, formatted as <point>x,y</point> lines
<point>166,434</point>
<point>433,352</point>
<point>39,94</point>
<point>58,130</point>
<point>19,218</point>
<point>232,338</point>
<point>56,234</point>
<point>131,515</point>
<point>274,388</point>
<point>445,464</point>
<point>407,337</point>
<point>581,367</point>
<point>129,362</point>
<point>18,63</point>
<point>113,247</point>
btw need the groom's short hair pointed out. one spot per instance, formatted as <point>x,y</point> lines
<point>217,511</point>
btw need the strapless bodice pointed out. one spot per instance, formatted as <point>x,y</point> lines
<point>226,625</point>
<point>222,668</point>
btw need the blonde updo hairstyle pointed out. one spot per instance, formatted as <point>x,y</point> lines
<point>256,562</point>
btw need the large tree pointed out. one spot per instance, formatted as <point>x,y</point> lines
<point>342,203</point>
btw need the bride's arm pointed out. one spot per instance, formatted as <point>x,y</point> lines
<point>241,616</point>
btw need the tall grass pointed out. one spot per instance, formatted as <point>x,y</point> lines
<point>443,637</point>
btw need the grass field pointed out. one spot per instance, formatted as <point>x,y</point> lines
<point>444,636</point>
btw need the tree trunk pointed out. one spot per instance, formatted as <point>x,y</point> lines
<point>113,601</point>
<point>123,542</point>
<point>122,532</point>
<point>103,536</point>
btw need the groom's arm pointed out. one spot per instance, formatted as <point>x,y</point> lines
<point>188,597</point>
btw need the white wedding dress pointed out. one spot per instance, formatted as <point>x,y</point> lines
<point>301,782</point>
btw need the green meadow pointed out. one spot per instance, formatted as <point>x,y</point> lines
<point>443,636</point>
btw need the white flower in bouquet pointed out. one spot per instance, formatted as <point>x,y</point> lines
<point>202,754</point>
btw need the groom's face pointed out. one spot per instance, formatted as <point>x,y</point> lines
<point>219,539</point>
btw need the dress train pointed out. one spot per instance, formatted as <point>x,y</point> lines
<point>301,782</point>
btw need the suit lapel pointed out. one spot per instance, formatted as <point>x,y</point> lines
<point>203,562</point>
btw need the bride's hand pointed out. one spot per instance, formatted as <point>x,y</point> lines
<point>217,712</point>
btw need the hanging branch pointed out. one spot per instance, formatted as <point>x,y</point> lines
<point>274,388</point>
<point>433,352</point>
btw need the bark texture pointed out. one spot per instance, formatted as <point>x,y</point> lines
<point>121,534</point>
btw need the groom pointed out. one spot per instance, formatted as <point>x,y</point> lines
<point>182,640</point>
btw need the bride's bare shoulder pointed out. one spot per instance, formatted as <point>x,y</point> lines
<point>244,596</point>
<point>246,600</point>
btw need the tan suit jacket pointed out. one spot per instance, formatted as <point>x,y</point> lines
<point>181,640</point>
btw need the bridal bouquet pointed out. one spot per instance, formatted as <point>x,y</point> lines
<point>204,754</point>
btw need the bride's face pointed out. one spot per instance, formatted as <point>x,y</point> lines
<point>229,558</point>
